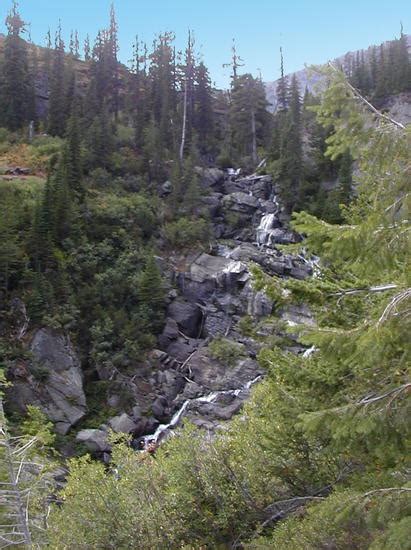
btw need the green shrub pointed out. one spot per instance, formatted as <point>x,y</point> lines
<point>246,326</point>
<point>226,351</point>
<point>4,135</point>
<point>186,231</point>
<point>40,372</point>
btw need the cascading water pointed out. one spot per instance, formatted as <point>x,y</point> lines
<point>264,230</point>
<point>313,262</point>
<point>209,398</point>
<point>267,223</point>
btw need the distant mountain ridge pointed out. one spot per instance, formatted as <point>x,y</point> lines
<point>308,79</point>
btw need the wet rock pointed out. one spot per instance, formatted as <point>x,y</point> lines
<point>144,426</point>
<point>280,235</point>
<point>160,408</point>
<point>258,303</point>
<point>18,318</point>
<point>218,411</point>
<point>213,375</point>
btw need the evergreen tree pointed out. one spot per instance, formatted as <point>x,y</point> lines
<point>248,114</point>
<point>72,163</point>
<point>162,89</point>
<point>291,158</point>
<point>282,87</point>
<point>16,86</point>
<point>57,115</point>
<point>151,294</point>
<point>10,245</point>
<point>87,49</point>
<point>204,115</point>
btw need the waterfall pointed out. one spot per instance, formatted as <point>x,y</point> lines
<point>264,229</point>
<point>313,262</point>
<point>209,398</point>
<point>309,352</point>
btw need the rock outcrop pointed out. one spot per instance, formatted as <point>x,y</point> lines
<point>51,380</point>
<point>210,293</point>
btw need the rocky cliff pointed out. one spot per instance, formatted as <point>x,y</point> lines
<point>204,363</point>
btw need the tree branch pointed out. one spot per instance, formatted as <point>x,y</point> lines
<point>379,114</point>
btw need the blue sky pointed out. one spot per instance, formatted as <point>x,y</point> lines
<point>309,31</point>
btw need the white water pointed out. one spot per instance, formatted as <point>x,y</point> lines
<point>313,262</point>
<point>309,352</point>
<point>209,398</point>
<point>264,230</point>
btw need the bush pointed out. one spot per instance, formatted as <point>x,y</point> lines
<point>223,161</point>
<point>226,351</point>
<point>47,145</point>
<point>4,135</point>
<point>100,177</point>
<point>186,231</point>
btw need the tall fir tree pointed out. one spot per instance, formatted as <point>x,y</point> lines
<point>57,114</point>
<point>16,85</point>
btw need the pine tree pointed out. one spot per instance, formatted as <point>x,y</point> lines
<point>151,294</point>
<point>72,163</point>
<point>282,87</point>
<point>10,243</point>
<point>16,86</point>
<point>113,62</point>
<point>57,115</point>
<point>188,74</point>
<point>204,115</point>
<point>291,158</point>
<point>87,49</point>
<point>248,115</point>
<point>162,89</point>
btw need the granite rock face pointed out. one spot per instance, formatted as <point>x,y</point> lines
<point>51,380</point>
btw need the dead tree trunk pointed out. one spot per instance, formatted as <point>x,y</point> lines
<point>14,528</point>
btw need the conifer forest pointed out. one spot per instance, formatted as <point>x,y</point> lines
<point>205,296</point>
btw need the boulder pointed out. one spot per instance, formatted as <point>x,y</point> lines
<point>297,315</point>
<point>220,411</point>
<point>165,188</point>
<point>187,315</point>
<point>258,303</point>
<point>182,348</point>
<point>280,235</point>
<point>210,177</point>
<point>212,375</point>
<point>122,423</point>
<point>160,408</point>
<point>95,440</point>
<point>171,383</point>
<point>169,334</point>
<point>52,381</point>
<point>217,323</point>
<point>213,204</point>
<point>240,202</point>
